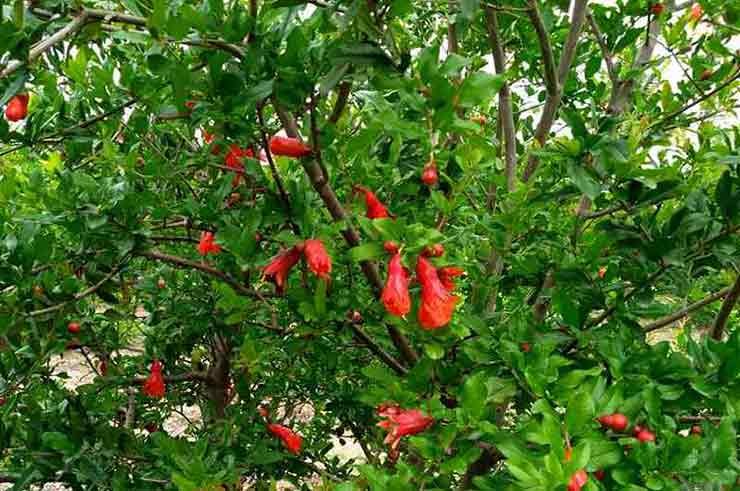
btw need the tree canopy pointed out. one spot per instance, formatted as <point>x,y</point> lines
<point>495,244</point>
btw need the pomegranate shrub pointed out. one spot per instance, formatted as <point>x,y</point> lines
<point>493,245</point>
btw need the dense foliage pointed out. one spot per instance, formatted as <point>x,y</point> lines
<point>205,199</point>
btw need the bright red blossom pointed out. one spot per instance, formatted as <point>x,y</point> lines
<point>401,422</point>
<point>279,268</point>
<point>437,304</point>
<point>292,441</point>
<point>207,244</point>
<point>17,108</point>
<point>317,258</point>
<point>395,296</point>
<point>578,480</point>
<point>447,276</point>
<point>375,209</point>
<point>234,159</point>
<point>288,147</point>
<point>390,247</point>
<point>154,384</point>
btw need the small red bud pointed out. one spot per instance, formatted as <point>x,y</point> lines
<point>151,427</point>
<point>390,247</point>
<point>657,8</point>
<point>706,74</point>
<point>696,430</point>
<point>436,250</point>
<point>73,327</point>
<point>355,317</point>
<point>429,175</point>
<point>526,347</point>
<point>161,283</point>
<point>600,475</point>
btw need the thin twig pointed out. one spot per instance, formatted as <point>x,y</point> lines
<point>80,295</point>
<point>605,53</point>
<point>505,112</point>
<point>210,270</point>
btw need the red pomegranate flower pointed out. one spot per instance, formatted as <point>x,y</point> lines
<point>154,384</point>
<point>234,160</point>
<point>288,147</point>
<point>395,297</point>
<point>447,276</point>
<point>17,108</point>
<point>207,244</point>
<point>401,422</point>
<point>375,209</point>
<point>317,258</point>
<point>279,268</point>
<point>437,304</point>
<point>291,440</point>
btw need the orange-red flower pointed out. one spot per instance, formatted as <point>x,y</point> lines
<point>288,147</point>
<point>154,384</point>
<point>279,268</point>
<point>401,422</point>
<point>447,276</point>
<point>437,304</point>
<point>317,258</point>
<point>234,160</point>
<point>395,297</point>
<point>207,244</point>
<point>17,108</point>
<point>292,441</point>
<point>375,209</point>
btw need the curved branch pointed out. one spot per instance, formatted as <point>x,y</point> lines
<point>724,312</point>
<point>321,185</point>
<point>680,314</point>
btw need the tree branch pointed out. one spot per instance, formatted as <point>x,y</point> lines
<point>551,79</point>
<point>209,270</point>
<point>341,103</point>
<point>452,46</point>
<point>724,312</point>
<point>505,112</point>
<point>44,45</point>
<point>680,314</point>
<point>321,185</point>
<point>554,96</point>
<point>171,379</point>
<point>377,350</point>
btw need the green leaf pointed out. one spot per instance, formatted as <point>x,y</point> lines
<point>479,88</point>
<point>474,395</point>
<point>580,413</point>
<point>366,252</point>
<point>583,180</point>
<point>58,441</point>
